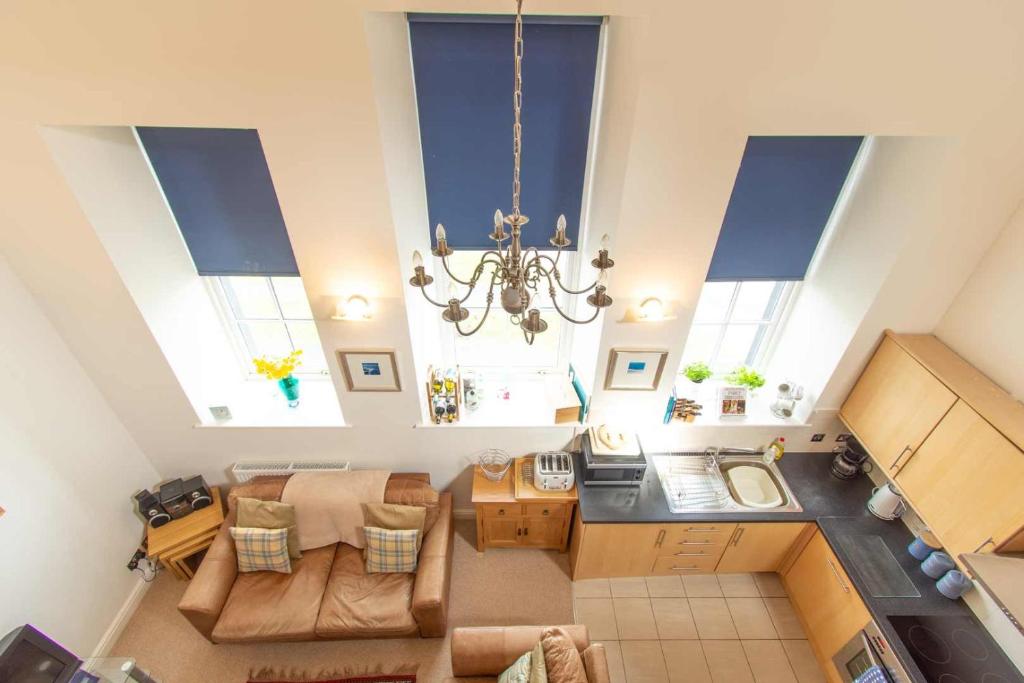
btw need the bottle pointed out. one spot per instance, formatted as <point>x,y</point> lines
<point>778,447</point>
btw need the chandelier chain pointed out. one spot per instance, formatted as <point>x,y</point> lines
<point>517,106</point>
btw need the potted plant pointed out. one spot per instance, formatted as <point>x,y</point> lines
<point>280,370</point>
<point>697,372</point>
<point>746,377</point>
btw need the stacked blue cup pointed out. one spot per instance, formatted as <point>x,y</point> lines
<point>953,584</point>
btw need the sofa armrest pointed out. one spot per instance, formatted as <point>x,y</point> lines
<point>487,651</point>
<point>434,574</point>
<point>595,661</point>
<point>208,591</point>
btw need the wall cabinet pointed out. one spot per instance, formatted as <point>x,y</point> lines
<point>760,547</point>
<point>965,480</point>
<point>895,405</point>
<point>607,550</point>
<point>828,604</point>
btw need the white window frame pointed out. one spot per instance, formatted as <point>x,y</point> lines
<point>786,294</point>
<point>233,330</point>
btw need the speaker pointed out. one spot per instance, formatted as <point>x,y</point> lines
<point>172,499</point>
<point>150,508</point>
<point>197,493</point>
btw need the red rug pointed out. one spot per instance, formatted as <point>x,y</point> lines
<point>368,674</point>
<point>390,678</point>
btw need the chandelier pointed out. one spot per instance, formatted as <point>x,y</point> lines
<point>516,273</point>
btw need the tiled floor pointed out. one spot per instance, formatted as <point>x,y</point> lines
<point>704,628</point>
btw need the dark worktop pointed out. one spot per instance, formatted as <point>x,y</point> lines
<point>837,506</point>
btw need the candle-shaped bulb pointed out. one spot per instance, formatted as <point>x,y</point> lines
<point>440,233</point>
<point>560,225</point>
<point>602,279</point>
<point>498,218</point>
<point>417,260</point>
<point>452,293</point>
<point>604,242</point>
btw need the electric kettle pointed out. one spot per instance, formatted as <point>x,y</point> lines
<point>886,503</point>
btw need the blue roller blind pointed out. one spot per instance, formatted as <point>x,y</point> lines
<point>463,70</point>
<point>784,194</point>
<point>218,185</point>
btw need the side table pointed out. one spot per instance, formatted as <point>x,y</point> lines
<point>173,543</point>
<point>511,513</point>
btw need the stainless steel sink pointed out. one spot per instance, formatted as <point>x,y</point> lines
<point>695,482</point>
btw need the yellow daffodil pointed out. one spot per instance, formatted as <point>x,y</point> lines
<point>278,368</point>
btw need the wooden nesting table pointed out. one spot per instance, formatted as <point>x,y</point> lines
<point>173,543</point>
<point>511,513</point>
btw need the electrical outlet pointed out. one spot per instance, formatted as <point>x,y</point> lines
<point>220,412</point>
<point>818,437</point>
<point>133,563</point>
<point>843,438</point>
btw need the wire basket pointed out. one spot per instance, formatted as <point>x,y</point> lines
<point>494,463</point>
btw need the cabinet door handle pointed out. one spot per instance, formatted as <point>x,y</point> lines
<point>700,554</point>
<point>684,569</point>
<point>900,457</point>
<point>501,512</point>
<point>546,513</point>
<point>661,538</point>
<point>846,589</point>
<point>519,532</point>
<point>987,541</point>
<point>739,535</point>
<point>526,531</point>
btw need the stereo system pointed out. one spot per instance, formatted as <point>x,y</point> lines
<point>173,500</point>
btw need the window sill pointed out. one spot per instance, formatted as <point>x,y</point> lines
<point>528,404</point>
<point>759,412</point>
<point>260,403</point>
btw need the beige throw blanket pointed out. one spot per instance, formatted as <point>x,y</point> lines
<point>329,505</point>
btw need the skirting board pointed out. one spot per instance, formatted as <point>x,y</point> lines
<point>124,614</point>
<point>464,513</point>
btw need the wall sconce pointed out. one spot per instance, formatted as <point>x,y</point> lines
<point>650,310</point>
<point>357,308</point>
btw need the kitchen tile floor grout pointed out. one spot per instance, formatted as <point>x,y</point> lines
<point>701,628</point>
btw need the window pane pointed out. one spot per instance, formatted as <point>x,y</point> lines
<point>250,297</point>
<point>714,301</point>
<point>292,297</point>
<point>304,337</point>
<point>756,300</point>
<point>738,346</point>
<point>265,337</point>
<point>500,343</point>
<point>701,343</point>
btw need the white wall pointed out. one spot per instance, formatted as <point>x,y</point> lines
<point>687,82</point>
<point>984,324</point>
<point>69,469</point>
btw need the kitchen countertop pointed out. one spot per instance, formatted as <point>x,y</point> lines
<point>837,506</point>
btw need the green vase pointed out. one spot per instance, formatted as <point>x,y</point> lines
<point>290,388</point>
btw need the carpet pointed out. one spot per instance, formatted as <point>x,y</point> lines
<point>270,677</point>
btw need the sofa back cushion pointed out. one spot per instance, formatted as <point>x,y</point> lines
<point>260,488</point>
<point>268,514</point>
<point>410,491</point>
<point>390,516</point>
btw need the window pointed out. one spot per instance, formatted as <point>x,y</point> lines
<point>500,343</point>
<point>735,323</point>
<point>269,316</point>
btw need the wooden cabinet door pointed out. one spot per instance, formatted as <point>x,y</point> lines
<point>542,532</point>
<point>831,611</point>
<point>500,532</point>
<point>894,406</point>
<point>966,482</point>
<point>617,550</point>
<point>760,547</point>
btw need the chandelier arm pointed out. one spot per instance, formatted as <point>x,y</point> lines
<point>558,279</point>
<point>529,337</point>
<point>444,262</point>
<point>476,276</point>
<point>554,300</point>
<point>483,260</point>
<point>427,297</point>
<point>487,312</point>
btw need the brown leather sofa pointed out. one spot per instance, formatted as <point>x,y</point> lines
<point>481,654</point>
<point>328,595</point>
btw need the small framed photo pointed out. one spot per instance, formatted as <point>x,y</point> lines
<point>370,370</point>
<point>733,401</point>
<point>634,369</point>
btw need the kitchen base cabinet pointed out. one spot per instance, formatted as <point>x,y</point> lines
<point>761,546</point>
<point>826,601</point>
<point>607,550</point>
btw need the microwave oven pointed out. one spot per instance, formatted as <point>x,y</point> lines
<point>610,470</point>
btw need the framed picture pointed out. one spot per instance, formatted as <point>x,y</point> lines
<point>733,401</point>
<point>370,370</point>
<point>634,369</point>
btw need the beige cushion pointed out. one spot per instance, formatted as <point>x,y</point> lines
<point>538,670</point>
<point>389,516</point>
<point>408,491</point>
<point>268,514</point>
<point>262,550</point>
<point>519,672</point>
<point>390,551</point>
<point>561,658</point>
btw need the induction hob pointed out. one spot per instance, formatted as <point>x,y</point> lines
<point>954,649</point>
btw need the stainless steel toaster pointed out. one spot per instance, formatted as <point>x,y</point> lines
<point>552,471</point>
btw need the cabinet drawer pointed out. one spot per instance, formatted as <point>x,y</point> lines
<point>544,510</point>
<point>680,536</point>
<point>684,565</point>
<point>501,510</point>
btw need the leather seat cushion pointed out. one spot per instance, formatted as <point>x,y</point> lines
<point>361,605</point>
<point>264,606</point>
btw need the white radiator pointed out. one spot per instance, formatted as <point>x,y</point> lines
<point>244,471</point>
